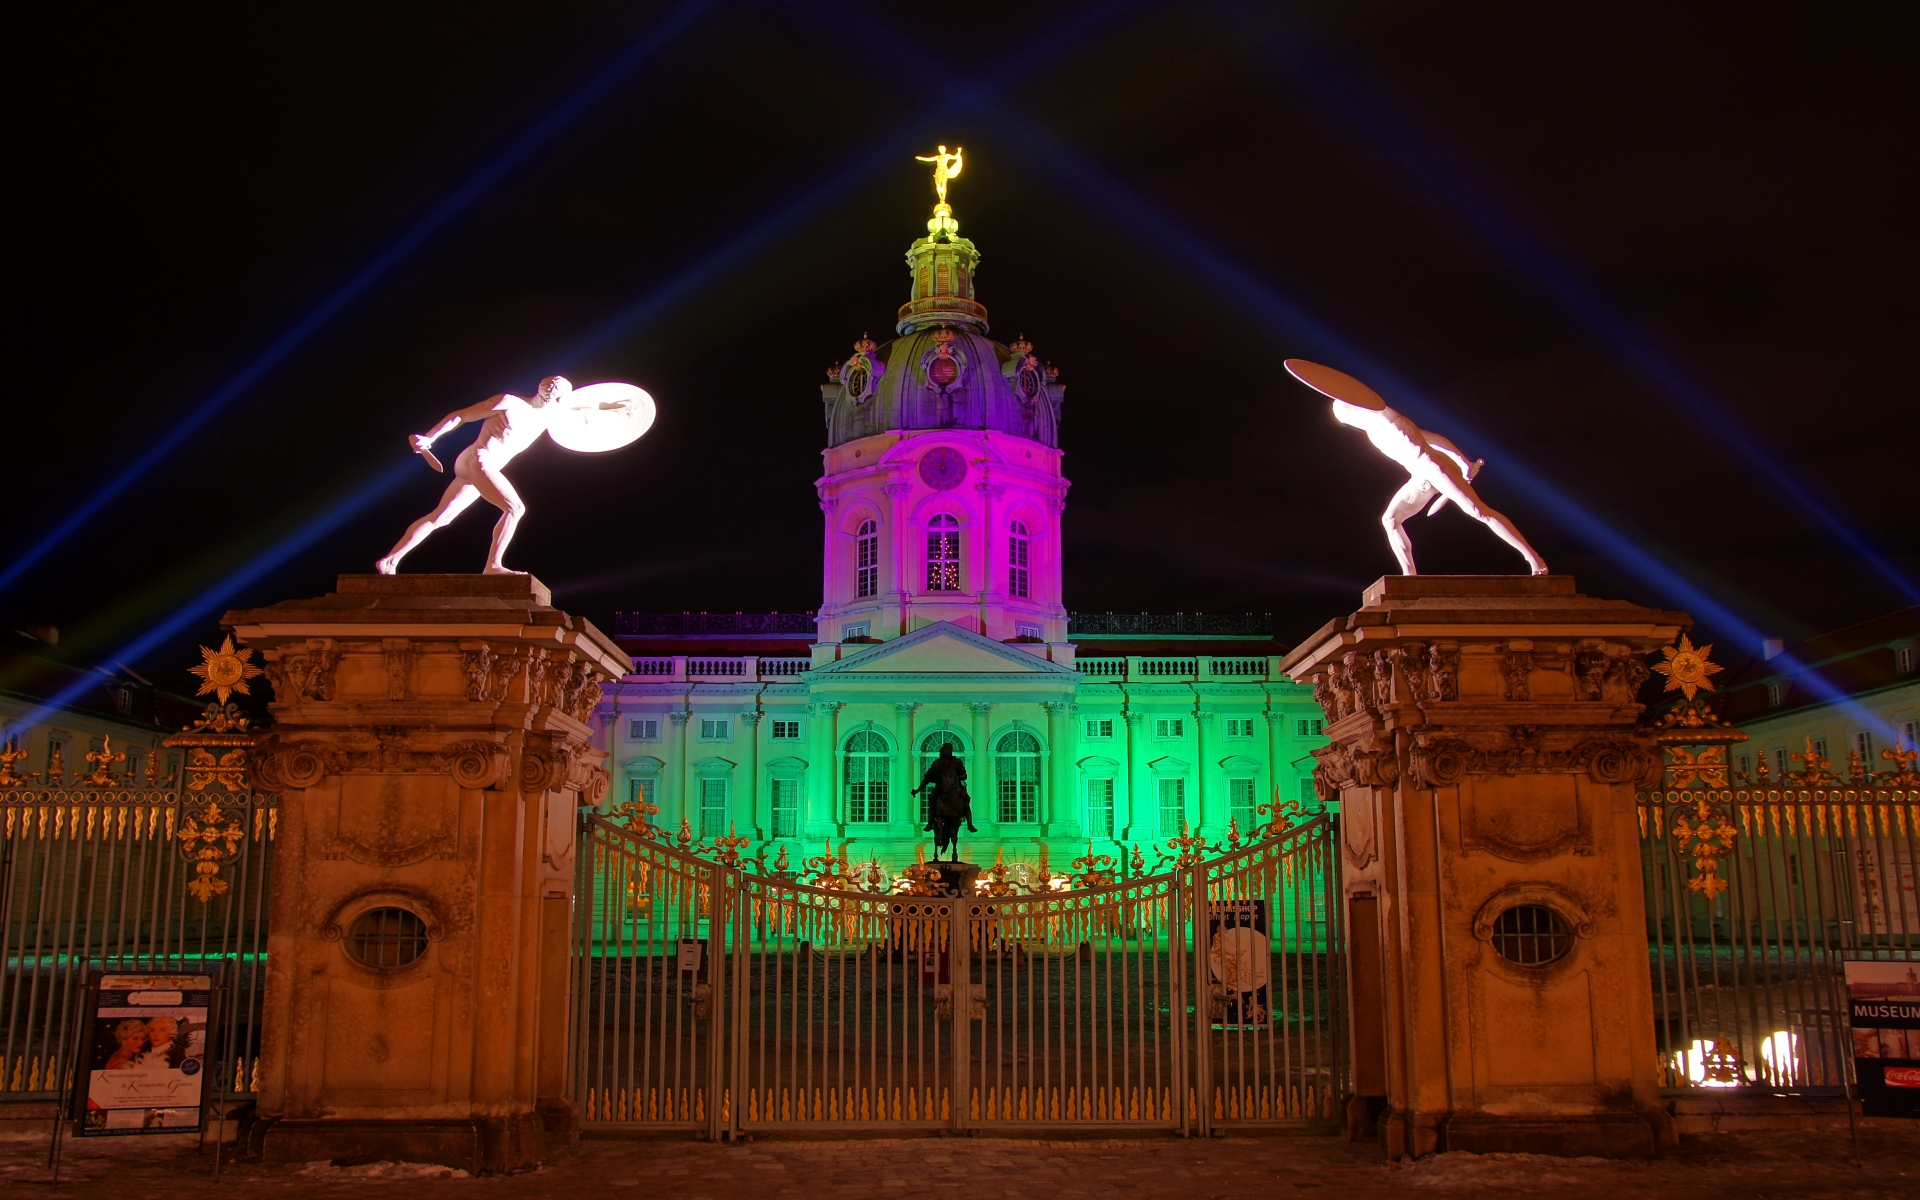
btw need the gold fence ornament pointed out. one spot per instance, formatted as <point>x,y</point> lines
<point>1708,837</point>
<point>10,758</point>
<point>1903,759</point>
<point>102,761</point>
<point>225,671</point>
<point>201,844</point>
<point>1815,770</point>
<point>1708,768</point>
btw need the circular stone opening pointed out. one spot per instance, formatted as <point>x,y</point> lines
<point>386,937</point>
<point>1532,935</point>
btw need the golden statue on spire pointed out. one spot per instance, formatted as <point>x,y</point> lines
<point>945,166</point>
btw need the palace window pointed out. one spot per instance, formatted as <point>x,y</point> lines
<point>641,791</point>
<point>1863,746</point>
<point>869,777</point>
<point>1903,660</point>
<point>715,729</point>
<point>930,750</point>
<point>1100,808</point>
<point>1780,761</point>
<point>1029,631</point>
<point>713,808</point>
<point>786,731</point>
<point>1240,802</point>
<point>1102,728</point>
<point>1776,693</point>
<point>786,808</point>
<point>1173,807</point>
<point>1169,727</point>
<point>867,546</point>
<point>856,629</point>
<point>1307,794</point>
<point>1820,748</point>
<point>1016,767</point>
<point>1239,727</point>
<point>1309,727</point>
<point>643,729</point>
<point>1018,562</point>
<point>943,554</point>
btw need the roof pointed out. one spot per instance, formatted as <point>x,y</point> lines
<point>1855,660</point>
<point>32,672</point>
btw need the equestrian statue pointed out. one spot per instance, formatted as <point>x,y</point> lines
<point>948,804</point>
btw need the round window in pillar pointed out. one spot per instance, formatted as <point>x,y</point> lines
<point>384,938</point>
<point>1531,935</point>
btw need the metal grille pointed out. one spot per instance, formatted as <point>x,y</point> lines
<point>130,880</point>
<point>716,999</point>
<point>387,937</point>
<point>1755,896</point>
<point>1531,935</point>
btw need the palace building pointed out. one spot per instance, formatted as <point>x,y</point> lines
<point>942,621</point>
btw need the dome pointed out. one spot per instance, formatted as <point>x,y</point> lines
<point>943,371</point>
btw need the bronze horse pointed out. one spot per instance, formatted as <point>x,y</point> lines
<point>948,804</point>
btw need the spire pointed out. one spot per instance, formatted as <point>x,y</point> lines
<point>942,263</point>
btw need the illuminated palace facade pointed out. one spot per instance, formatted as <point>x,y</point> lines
<point>942,621</point>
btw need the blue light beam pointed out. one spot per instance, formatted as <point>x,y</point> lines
<point>208,601</point>
<point>1444,177</point>
<point>557,120</point>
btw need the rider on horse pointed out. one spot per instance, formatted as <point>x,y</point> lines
<point>948,804</point>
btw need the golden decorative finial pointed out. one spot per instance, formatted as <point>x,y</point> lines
<point>10,758</point>
<point>945,166</point>
<point>225,671</point>
<point>1687,669</point>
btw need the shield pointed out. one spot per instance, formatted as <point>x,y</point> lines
<point>602,417</point>
<point>1337,384</point>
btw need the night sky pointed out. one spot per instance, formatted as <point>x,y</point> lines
<point>1661,256</point>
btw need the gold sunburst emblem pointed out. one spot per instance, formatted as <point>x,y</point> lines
<point>225,671</point>
<point>1687,669</point>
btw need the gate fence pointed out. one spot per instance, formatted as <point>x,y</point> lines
<point>717,999</point>
<point>1755,896</point>
<point>99,871</point>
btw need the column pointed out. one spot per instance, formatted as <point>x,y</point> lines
<point>1513,808</point>
<point>1062,819</point>
<point>680,771</point>
<point>897,528</point>
<point>1279,775</point>
<point>748,803</point>
<point>979,782</point>
<point>1140,802</point>
<point>431,763</point>
<point>907,808</point>
<point>1203,770</point>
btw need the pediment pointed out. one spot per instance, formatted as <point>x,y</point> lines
<point>945,649</point>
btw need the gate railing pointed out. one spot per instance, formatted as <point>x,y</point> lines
<point>100,871</point>
<point>710,997</point>
<point>1755,896</point>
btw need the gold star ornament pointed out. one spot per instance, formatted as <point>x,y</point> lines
<point>226,670</point>
<point>1687,669</point>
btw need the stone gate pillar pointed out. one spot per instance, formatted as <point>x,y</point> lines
<point>430,744</point>
<point>1484,753</point>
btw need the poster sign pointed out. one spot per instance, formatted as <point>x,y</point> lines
<point>1883,1005</point>
<point>146,1064</point>
<point>1240,951</point>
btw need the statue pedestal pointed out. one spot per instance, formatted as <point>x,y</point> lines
<point>430,745</point>
<point>1485,758</point>
<point>956,878</point>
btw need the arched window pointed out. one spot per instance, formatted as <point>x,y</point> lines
<point>930,750</point>
<point>1017,561</point>
<point>867,548</point>
<point>869,776</point>
<point>1016,768</point>
<point>943,554</point>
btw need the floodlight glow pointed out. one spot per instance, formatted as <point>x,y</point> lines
<point>558,119</point>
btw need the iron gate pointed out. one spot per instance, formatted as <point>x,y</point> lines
<point>714,998</point>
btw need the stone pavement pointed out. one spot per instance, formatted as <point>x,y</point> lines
<point>1741,1166</point>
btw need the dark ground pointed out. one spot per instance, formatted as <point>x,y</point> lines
<point>1750,1166</point>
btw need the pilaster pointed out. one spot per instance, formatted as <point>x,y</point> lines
<point>1498,965</point>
